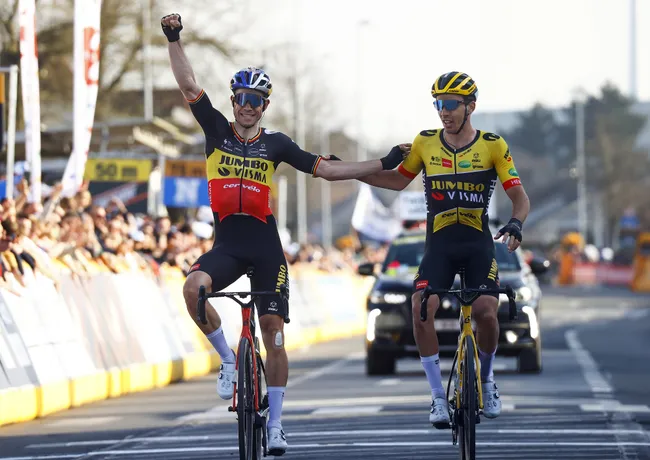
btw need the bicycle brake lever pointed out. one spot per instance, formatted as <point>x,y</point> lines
<point>201,313</point>
<point>512,304</point>
<point>284,296</point>
<point>423,304</point>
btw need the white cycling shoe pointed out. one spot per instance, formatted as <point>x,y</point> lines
<point>277,442</point>
<point>226,380</point>
<point>439,416</point>
<point>491,400</point>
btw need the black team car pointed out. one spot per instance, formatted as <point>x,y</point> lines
<point>389,333</point>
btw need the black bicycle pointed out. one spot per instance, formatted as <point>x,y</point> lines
<point>466,405</point>
<point>249,404</point>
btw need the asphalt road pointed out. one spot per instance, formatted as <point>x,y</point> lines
<point>590,402</point>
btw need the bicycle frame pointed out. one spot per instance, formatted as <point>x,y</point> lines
<point>466,330</point>
<point>247,332</point>
<point>248,327</point>
<point>466,297</point>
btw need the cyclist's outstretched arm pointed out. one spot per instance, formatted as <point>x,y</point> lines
<point>183,73</point>
<point>344,170</point>
<point>392,180</point>
<point>339,170</point>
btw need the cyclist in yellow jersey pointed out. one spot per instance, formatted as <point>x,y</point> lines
<point>460,167</point>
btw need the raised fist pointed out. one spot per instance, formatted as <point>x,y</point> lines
<point>172,26</point>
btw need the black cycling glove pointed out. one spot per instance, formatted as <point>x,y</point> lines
<point>393,159</point>
<point>512,228</point>
<point>332,158</point>
<point>173,35</point>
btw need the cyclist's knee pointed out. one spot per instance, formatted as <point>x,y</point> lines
<point>485,308</point>
<point>191,288</point>
<point>272,332</point>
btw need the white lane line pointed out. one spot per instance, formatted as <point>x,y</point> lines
<point>596,381</point>
<point>348,410</point>
<point>81,421</point>
<point>187,449</point>
<point>605,406</point>
<point>323,370</point>
<point>221,411</point>
<point>389,382</point>
<point>349,433</point>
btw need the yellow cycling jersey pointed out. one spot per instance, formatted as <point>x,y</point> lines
<point>459,182</point>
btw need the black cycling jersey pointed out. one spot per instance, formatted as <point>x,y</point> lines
<point>239,172</point>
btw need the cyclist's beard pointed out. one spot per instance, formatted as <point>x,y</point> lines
<point>249,125</point>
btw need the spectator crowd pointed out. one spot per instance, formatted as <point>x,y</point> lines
<point>75,233</point>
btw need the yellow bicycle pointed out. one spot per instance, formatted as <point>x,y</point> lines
<point>466,404</point>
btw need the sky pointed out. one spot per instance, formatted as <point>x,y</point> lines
<point>518,52</point>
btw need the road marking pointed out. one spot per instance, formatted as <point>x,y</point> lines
<point>596,381</point>
<point>344,433</point>
<point>220,411</point>
<point>389,382</point>
<point>81,421</point>
<point>348,410</point>
<point>323,370</point>
<point>183,450</point>
<point>605,406</point>
<point>509,403</point>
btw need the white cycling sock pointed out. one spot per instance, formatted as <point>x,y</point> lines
<point>486,359</point>
<point>218,341</point>
<point>276,397</point>
<point>431,365</point>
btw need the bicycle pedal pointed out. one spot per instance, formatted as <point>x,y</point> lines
<point>231,409</point>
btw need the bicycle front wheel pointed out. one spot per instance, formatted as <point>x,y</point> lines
<point>467,438</point>
<point>245,403</point>
<point>259,433</point>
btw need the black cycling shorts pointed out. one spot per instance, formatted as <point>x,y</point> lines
<point>243,241</point>
<point>441,263</point>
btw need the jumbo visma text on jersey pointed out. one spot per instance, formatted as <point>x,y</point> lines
<point>237,184</point>
<point>459,183</point>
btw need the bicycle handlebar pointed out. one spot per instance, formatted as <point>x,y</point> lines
<point>467,296</point>
<point>203,296</point>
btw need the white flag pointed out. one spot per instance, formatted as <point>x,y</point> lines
<point>372,218</point>
<point>86,81</point>
<point>31,94</point>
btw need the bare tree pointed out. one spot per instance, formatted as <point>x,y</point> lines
<point>120,46</point>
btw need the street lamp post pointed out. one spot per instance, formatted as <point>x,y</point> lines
<point>581,166</point>
<point>361,145</point>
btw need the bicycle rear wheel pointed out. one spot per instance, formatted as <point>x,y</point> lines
<point>467,432</point>
<point>245,403</point>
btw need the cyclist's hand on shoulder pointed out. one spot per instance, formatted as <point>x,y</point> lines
<point>511,233</point>
<point>394,158</point>
<point>406,149</point>
<point>172,26</point>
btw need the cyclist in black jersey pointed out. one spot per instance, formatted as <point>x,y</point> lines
<point>460,167</point>
<point>241,157</point>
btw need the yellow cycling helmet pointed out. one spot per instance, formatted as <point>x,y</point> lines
<point>455,83</point>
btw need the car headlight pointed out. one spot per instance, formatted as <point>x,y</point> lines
<point>388,297</point>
